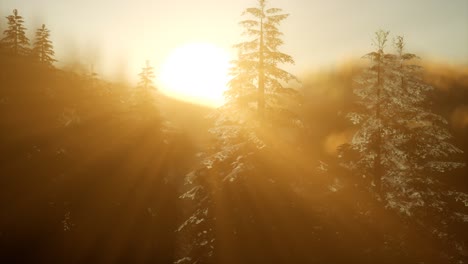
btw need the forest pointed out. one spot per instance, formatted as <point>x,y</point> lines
<point>362,163</point>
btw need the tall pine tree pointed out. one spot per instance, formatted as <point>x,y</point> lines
<point>256,74</point>
<point>257,98</point>
<point>427,151</point>
<point>374,94</point>
<point>144,96</point>
<point>15,40</point>
<point>43,50</point>
<point>400,143</point>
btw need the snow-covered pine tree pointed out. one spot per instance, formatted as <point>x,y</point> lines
<point>15,40</point>
<point>43,50</point>
<point>423,141</point>
<point>376,118</point>
<point>399,140</point>
<point>257,101</point>
<point>403,145</point>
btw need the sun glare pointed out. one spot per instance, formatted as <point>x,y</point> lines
<point>197,72</point>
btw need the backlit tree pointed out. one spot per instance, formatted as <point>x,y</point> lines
<point>256,72</point>
<point>43,50</point>
<point>146,77</point>
<point>144,96</point>
<point>258,101</point>
<point>15,40</point>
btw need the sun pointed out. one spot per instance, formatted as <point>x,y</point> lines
<point>197,72</point>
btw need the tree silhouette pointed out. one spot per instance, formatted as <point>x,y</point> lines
<point>146,77</point>
<point>144,96</point>
<point>43,49</point>
<point>258,59</point>
<point>15,40</point>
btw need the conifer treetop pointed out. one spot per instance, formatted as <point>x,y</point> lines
<point>146,76</point>
<point>15,40</point>
<point>256,73</point>
<point>43,49</point>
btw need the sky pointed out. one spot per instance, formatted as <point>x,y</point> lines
<point>118,36</point>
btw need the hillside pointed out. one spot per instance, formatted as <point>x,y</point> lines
<point>89,174</point>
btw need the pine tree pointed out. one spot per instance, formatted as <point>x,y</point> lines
<point>257,94</point>
<point>256,68</point>
<point>43,49</point>
<point>400,143</point>
<point>257,98</point>
<point>15,40</point>
<point>425,140</point>
<point>374,94</point>
<point>146,77</point>
<point>144,94</point>
<point>403,146</point>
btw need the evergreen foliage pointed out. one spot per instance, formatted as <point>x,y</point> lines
<point>43,50</point>
<point>256,74</point>
<point>399,140</point>
<point>400,143</point>
<point>15,40</point>
<point>257,98</point>
<point>79,152</point>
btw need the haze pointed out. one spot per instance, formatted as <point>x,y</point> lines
<point>227,132</point>
<point>118,36</point>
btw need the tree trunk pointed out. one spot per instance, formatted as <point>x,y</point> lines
<point>15,47</point>
<point>261,78</point>
<point>378,142</point>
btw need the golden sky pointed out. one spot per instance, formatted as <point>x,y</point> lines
<point>118,36</point>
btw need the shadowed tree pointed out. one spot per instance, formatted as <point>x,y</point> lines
<point>15,40</point>
<point>43,49</point>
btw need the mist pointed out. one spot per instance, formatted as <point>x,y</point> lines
<point>356,159</point>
